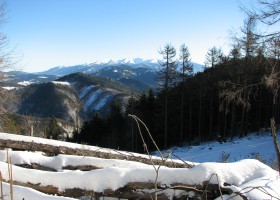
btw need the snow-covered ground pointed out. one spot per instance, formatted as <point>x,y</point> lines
<point>250,177</point>
<point>253,146</point>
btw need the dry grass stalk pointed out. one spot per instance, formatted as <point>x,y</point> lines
<point>247,190</point>
<point>156,167</point>
<point>10,170</point>
<point>1,182</point>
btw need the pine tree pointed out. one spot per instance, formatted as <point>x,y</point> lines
<point>116,123</point>
<point>53,130</point>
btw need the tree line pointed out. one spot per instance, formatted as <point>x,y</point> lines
<point>190,108</point>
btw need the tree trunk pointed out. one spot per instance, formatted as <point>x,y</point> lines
<point>233,121</point>
<point>165,119</point>
<point>259,112</point>
<point>200,114</point>
<point>276,146</point>
<point>242,122</point>
<point>190,121</point>
<point>211,117</point>
<point>182,115</point>
<point>100,153</point>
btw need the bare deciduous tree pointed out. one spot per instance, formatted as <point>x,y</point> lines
<point>186,71</point>
<point>167,76</point>
<point>269,11</point>
<point>213,57</point>
<point>7,59</point>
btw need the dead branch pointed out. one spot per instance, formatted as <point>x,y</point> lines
<point>276,145</point>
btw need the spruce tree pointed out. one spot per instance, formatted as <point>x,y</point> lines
<point>53,130</point>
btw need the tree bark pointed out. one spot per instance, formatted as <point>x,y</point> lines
<point>276,146</point>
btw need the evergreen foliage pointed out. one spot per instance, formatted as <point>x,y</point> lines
<point>53,130</point>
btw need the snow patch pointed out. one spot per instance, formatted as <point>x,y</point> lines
<point>25,83</point>
<point>85,91</point>
<point>92,98</point>
<point>9,88</point>
<point>101,103</point>
<point>61,83</point>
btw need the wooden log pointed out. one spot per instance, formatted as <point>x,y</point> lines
<point>133,190</point>
<point>81,167</point>
<point>36,166</point>
<point>68,167</point>
<point>55,150</point>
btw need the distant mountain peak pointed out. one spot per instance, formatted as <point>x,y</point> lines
<point>129,61</point>
<point>94,67</point>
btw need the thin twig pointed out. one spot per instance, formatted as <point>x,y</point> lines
<point>241,193</point>
<point>2,196</point>
<point>205,192</point>
<point>147,150</point>
<point>11,180</point>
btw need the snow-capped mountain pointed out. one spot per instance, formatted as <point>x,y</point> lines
<point>96,66</point>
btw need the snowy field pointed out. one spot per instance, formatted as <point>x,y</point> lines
<point>249,177</point>
<point>253,147</point>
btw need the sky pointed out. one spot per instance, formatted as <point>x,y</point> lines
<point>50,33</point>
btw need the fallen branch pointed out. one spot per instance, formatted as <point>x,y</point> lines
<point>276,146</point>
<point>133,190</point>
<point>55,150</point>
<point>68,167</point>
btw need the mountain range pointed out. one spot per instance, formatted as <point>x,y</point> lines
<point>152,64</point>
<point>79,91</point>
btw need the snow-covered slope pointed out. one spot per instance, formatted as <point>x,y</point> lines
<point>249,178</point>
<point>253,146</point>
<point>95,93</point>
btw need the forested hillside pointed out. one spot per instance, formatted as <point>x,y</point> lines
<point>235,94</point>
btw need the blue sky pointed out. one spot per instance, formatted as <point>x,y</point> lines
<point>49,33</point>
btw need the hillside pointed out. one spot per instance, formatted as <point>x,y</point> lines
<point>96,93</point>
<point>49,99</point>
<point>97,177</point>
<point>15,79</point>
